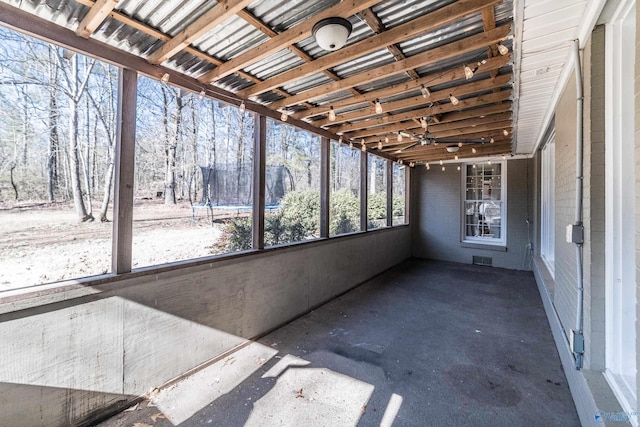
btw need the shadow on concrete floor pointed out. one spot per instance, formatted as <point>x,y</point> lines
<point>426,343</point>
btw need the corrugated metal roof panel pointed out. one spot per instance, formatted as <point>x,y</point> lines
<point>230,39</point>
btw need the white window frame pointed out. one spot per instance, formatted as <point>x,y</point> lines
<point>502,240</point>
<point>548,196</point>
<point>620,264</point>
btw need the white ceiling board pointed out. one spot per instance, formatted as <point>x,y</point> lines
<point>547,29</point>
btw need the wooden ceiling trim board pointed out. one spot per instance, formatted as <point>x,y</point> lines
<point>216,15</point>
<point>419,100</point>
<point>437,109</point>
<point>293,35</point>
<point>397,34</point>
<point>450,75</point>
<point>95,17</point>
<point>450,50</point>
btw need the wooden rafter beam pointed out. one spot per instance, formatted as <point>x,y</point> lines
<point>445,76</point>
<point>432,127</point>
<point>216,15</point>
<point>161,36</point>
<point>397,34</point>
<point>476,112</point>
<point>266,30</point>
<point>423,112</point>
<point>285,39</point>
<point>376,25</point>
<point>419,101</point>
<point>440,149</point>
<point>486,134</point>
<point>450,50</point>
<point>464,154</point>
<point>95,17</point>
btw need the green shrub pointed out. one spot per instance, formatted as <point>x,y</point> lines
<point>345,212</point>
<point>298,218</point>
<point>377,206</point>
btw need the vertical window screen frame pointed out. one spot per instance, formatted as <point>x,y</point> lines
<point>547,199</point>
<point>474,226</point>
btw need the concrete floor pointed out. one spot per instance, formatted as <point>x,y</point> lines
<point>426,343</point>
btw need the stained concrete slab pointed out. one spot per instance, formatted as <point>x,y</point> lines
<point>426,343</point>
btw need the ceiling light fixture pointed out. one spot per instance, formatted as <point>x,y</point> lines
<point>455,157</point>
<point>284,116</point>
<point>458,167</point>
<point>332,114</point>
<point>379,145</point>
<point>441,162</point>
<point>505,132</point>
<point>452,148</point>
<point>473,150</point>
<point>332,33</point>
<point>453,99</point>
<point>412,164</point>
<point>443,169</point>
<point>386,139</point>
<point>503,49</point>
<point>492,141</point>
<point>425,91</point>
<point>399,137</point>
<point>378,107</point>
<point>165,78</point>
<point>459,144</point>
<point>427,166</point>
<point>423,123</point>
<point>201,94</point>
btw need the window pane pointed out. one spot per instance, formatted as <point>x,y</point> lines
<point>398,194</point>
<point>57,140</point>
<point>292,196</point>
<point>344,190</point>
<point>483,207</point>
<point>377,197</point>
<point>193,177</point>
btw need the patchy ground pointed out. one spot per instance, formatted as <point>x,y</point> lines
<point>43,243</point>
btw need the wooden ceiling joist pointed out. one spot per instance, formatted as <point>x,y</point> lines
<point>423,112</point>
<point>95,17</point>
<point>441,77</point>
<point>265,29</point>
<point>378,27</point>
<point>397,34</point>
<point>439,152</point>
<point>450,50</point>
<point>476,112</point>
<point>283,40</point>
<point>217,14</point>
<point>419,101</point>
<point>410,125</point>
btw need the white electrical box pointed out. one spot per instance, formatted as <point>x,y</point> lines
<point>575,234</point>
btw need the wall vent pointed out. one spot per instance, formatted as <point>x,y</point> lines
<point>482,260</point>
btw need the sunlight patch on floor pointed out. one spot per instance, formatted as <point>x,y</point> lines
<point>311,396</point>
<point>184,399</point>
